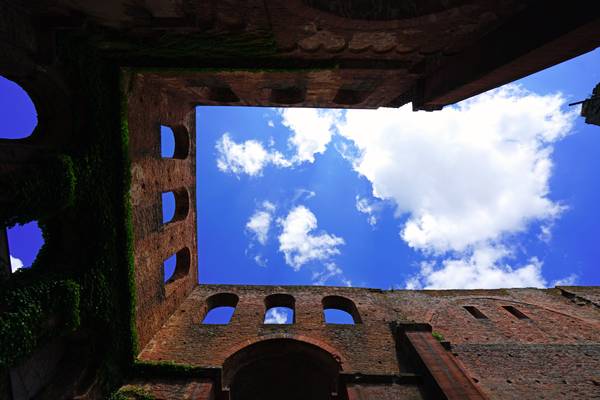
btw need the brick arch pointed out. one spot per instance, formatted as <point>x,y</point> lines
<point>341,360</point>
<point>281,347</point>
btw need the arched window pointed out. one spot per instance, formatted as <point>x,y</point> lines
<point>18,116</point>
<point>174,142</point>
<point>177,266</point>
<point>340,310</point>
<point>280,309</point>
<point>283,368</point>
<point>220,308</point>
<point>20,246</point>
<point>175,205</point>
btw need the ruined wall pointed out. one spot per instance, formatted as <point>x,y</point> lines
<point>366,347</point>
<point>148,107</point>
<point>521,343</point>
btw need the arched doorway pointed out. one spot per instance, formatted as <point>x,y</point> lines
<point>282,369</point>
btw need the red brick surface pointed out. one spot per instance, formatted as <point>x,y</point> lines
<point>384,392</point>
<point>554,353</point>
<point>175,389</point>
<point>149,107</point>
<point>368,348</point>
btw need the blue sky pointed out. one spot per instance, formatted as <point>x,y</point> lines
<point>498,191</point>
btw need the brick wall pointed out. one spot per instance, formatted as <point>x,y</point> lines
<point>544,345</point>
<point>149,106</point>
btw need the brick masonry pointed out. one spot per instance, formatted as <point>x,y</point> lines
<point>149,107</point>
<point>553,353</point>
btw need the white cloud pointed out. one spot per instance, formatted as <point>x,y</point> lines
<point>331,270</point>
<point>312,130</point>
<point>260,260</point>
<point>275,316</point>
<point>260,222</point>
<point>371,209</point>
<point>482,269</point>
<point>304,194</point>
<point>299,245</point>
<point>567,281</point>
<point>15,263</point>
<point>466,178</point>
<point>465,174</point>
<point>249,157</point>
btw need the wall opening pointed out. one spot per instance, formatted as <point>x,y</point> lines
<point>18,115</point>
<point>20,246</point>
<point>220,309</point>
<point>175,205</point>
<point>168,206</point>
<point>177,266</point>
<point>474,311</point>
<point>280,309</point>
<point>340,310</point>
<point>282,368</point>
<point>514,311</point>
<point>169,267</point>
<point>174,142</point>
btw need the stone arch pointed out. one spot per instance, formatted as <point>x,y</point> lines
<point>343,304</point>
<point>22,107</point>
<point>278,300</point>
<point>182,266</point>
<point>181,207</point>
<point>281,367</point>
<point>53,107</point>
<point>181,138</point>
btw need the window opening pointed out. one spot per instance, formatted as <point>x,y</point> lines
<point>167,142</point>
<point>174,142</point>
<point>333,316</point>
<point>514,311</point>
<point>23,244</point>
<point>175,205</point>
<point>474,311</point>
<point>220,309</point>
<point>279,316</point>
<point>340,310</point>
<point>219,316</point>
<point>169,267</point>
<point>168,206</point>
<point>17,111</point>
<point>279,309</point>
<point>177,266</point>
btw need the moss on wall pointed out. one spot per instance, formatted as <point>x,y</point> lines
<point>131,393</point>
<point>35,307</point>
<point>102,209</point>
<point>37,191</point>
<point>84,271</point>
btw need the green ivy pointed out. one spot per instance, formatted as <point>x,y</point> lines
<point>34,308</point>
<point>153,369</point>
<point>438,336</point>
<point>131,393</point>
<point>37,191</point>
